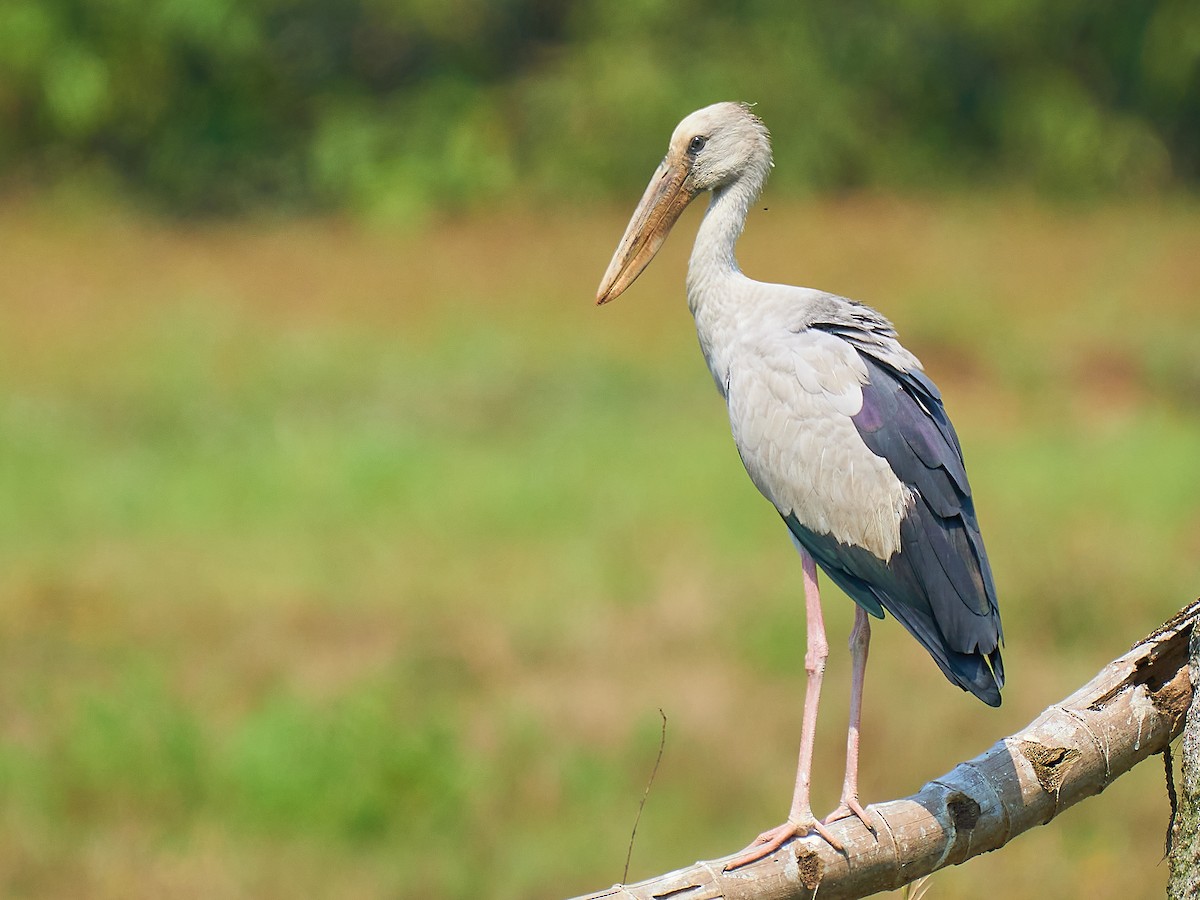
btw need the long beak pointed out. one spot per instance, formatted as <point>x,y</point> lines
<point>666,197</point>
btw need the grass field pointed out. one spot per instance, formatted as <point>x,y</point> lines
<point>343,563</point>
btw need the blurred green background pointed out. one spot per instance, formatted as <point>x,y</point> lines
<point>401,108</point>
<point>347,551</point>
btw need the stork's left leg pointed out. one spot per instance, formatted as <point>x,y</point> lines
<point>800,820</point>
<point>860,641</point>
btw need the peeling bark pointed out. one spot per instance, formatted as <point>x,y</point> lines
<point>1131,710</point>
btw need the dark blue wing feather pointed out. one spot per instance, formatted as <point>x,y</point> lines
<point>939,585</point>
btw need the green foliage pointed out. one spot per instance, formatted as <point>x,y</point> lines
<point>396,110</point>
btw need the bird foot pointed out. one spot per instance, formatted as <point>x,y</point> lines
<point>770,841</point>
<point>850,807</point>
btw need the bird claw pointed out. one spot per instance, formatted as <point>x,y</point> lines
<point>850,807</point>
<point>770,841</point>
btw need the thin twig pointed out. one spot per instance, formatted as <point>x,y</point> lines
<point>1169,765</point>
<point>662,744</point>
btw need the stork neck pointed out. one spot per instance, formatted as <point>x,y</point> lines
<point>712,254</point>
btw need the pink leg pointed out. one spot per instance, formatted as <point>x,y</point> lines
<point>860,641</point>
<point>801,820</point>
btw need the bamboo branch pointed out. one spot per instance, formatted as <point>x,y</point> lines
<point>1131,710</point>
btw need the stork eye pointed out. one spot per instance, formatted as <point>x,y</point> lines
<point>696,145</point>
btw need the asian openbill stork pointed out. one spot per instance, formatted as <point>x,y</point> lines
<point>839,427</point>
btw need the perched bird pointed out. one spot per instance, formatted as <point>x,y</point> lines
<point>839,427</point>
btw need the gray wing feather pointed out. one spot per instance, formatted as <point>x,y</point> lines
<point>940,585</point>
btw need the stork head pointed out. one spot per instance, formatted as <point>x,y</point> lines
<point>710,149</point>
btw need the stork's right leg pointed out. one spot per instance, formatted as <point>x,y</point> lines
<point>860,642</point>
<point>801,820</point>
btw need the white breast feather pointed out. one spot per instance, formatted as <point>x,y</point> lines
<point>791,398</point>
